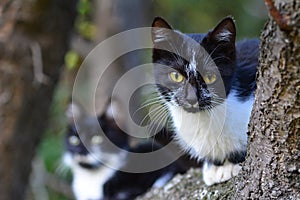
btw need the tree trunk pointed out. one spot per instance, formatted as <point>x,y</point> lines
<point>34,37</point>
<point>272,166</point>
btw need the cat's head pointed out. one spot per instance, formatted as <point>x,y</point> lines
<point>194,71</point>
<point>86,143</point>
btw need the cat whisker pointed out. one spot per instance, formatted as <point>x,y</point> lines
<point>153,98</point>
<point>211,53</point>
<point>148,114</point>
<point>222,57</point>
<point>156,127</point>
<point>175,53</point>
<point>159,115</point>
<point>62,169</point>
<point>152,125</point>
<point>162,120</point>
<point>162,110</point>
<point>211,62</point>
<point>166,118</point>
<point>157,101</point>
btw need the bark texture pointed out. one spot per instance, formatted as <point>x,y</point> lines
<point>34,37</point>
<point>272,169</point>
<point>272,166</point>
<point>190,187</point>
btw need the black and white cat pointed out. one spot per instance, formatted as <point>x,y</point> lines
<point>207,83</point>
<point>85,150</point>
<point>92,179</point>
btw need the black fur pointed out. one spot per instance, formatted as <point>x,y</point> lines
<point>127,186</point>
<point>247,62</point>
<point>237,157</point>
<point>234,157</point>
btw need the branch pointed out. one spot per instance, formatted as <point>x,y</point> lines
<point>39,76</point>
<point>283,21</point>
<point>191,186</point>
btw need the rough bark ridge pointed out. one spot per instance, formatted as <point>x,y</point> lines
<point>33,40</point>
<point>272,167</point>
<point>189,187</point>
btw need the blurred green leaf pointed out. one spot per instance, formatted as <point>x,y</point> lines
<point>51,150</point>
<point>72,59</point>
<point>86,29</point>
<point>84,7</point>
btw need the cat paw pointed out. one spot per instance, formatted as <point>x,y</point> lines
<point>213,174</point>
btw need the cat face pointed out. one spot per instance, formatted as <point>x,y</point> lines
<point>78,150</point>
<point>87,144</point>
<point>194,71</point>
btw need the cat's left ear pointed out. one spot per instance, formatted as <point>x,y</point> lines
<point>160,29</point>
<point>224,32</point>
<point>74,112</point>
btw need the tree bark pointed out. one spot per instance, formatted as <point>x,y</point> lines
<point>34,37</point>
<point>272,166</point>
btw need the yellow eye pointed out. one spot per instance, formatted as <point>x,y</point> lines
<point>210,78</point>
<point>97,139</point>
<point>176,77</point>
<point>73,140</point>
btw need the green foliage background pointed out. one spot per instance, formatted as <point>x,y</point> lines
<point>197,16</point>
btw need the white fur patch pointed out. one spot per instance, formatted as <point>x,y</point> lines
<point>67,160</point>
<point>193,64</point>
<point>88,184</point>
<point>217,174</point>
<point>213,134</point>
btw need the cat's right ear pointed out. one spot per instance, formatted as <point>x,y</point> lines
<point>160,29</point>
<point>224,32</point>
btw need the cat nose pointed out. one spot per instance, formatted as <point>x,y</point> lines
<point>192,99</point>
<point>191,96</point>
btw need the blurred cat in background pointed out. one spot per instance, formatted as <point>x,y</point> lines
<point>85,149</point>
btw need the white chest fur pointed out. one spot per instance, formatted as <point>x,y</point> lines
<point>88,184</point>
<point>214,133</point>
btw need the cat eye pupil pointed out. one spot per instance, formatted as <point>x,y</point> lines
<point>74,140</point>
<point>209,78</point>
<point>176,77</point>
